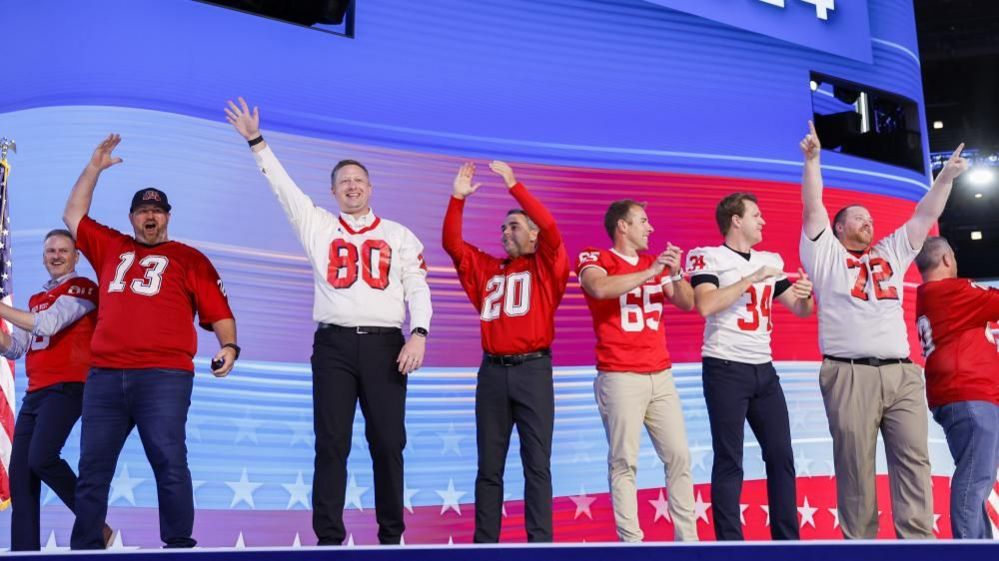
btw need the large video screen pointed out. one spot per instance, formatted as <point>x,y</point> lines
<point>589,101</point>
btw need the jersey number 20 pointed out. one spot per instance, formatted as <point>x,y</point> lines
<point>515,292</point>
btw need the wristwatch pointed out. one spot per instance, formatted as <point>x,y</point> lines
<point>234,347</point>
<point>419,331</point>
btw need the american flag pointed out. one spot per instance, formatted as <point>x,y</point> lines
<point>6,366</point>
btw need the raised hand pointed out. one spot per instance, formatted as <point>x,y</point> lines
<point>802,288</point>
<point>810,145</point>
<point>763,273</point>
<point>672,258</point>
<point>463,185</point>
<point>102,158</point>
<point>505,171</point>
<point>245,122</point>
<point>954,166</point>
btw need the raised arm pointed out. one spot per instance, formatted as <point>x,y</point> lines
<point>82,194</point>
<point>933,202</point>
<point>815,217</point>
<point>533,207</point>
<point>452,240</point>
<point>246,122</point>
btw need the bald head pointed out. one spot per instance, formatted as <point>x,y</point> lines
<point>936,260</point>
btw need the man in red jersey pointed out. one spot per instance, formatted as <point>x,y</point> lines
<point>142,368</point>
<point>625,291</point>
<point>55,334</point>
<point>516,298</point>
<point>956,319</point>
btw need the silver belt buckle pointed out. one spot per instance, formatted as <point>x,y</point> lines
<point>360,331</point>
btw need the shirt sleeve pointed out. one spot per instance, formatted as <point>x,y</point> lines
<point>211,302</point>
<point>983,303</point>
<point>898,249</point>
<point>92,239</point>
<point>20,340</point>
<point>65,311</point>
<point>414,281</point>
<point>818,255</point>
<point>305,217</point>
<point>781,286</point>
<point>549,238</point>
<point>587,258</point>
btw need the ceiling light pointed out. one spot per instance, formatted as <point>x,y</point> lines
<point>978,195</point>
<point>981,176</point>
<point>938,124</point>
<point>976,235</point>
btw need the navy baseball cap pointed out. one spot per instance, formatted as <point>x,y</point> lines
<point>149,196</point>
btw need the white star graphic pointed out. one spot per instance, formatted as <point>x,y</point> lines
<point>701,508</point>
<point>242,490</point>
<point>350,540</point>
<point>799,417</point>
<point>802,464</point>
<point>51,544</point>
<point>697,456</point>
<point>766,509</point>
<point>407,497</point>
<point>807,513</point>
<point>451,441</point>
<point>49,495</point>
<point>354,493</point>
<point>297,541</point>
<point>450,539</point>
<point>298,491</point>
<point>246,429</point>
<point>503,506</point>
<point>583,503</point>
<point>742,513</point>
<point>123,486</point>
<point>581,446</point>
<point>301,432</point>
<point>240,544</point>
<point>450,497</point>
<point>195,485</point>
<point>118,543</point>
<point>662,508</point>
<point>835,513</point>
<point>936,518</point>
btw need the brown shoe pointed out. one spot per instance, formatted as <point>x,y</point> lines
<point>108,536</point>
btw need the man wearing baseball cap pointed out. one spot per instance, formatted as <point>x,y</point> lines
<point>142,368</point>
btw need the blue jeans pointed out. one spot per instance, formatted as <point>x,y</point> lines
<point>972,430</point>
<point>155,401</point>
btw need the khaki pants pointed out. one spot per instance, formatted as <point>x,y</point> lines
<point>627,401</point>
<point>859,401</point>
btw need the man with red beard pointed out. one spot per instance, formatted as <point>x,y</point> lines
<point>868,382</point>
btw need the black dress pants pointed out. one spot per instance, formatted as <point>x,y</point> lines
<point>351,365</point>
<point>508,395</point>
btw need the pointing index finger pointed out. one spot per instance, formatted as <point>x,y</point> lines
<point>957,152</point>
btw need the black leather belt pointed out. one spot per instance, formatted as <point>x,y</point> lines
<point>869,361</point>
<point>361,329</point>
<point>514,360</point>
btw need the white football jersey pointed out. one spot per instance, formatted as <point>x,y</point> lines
<point>365,270</point>
<point>740,332</point>
<point>859,296</point>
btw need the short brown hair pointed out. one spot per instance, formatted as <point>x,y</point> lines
<point>730,206</point>
<point>841,216</point>
<point>618,210</point>
<point>61,232</point>
<point>344,163</point>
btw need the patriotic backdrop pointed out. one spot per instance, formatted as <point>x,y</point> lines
<point>7,392</point>
<point>590,101</point>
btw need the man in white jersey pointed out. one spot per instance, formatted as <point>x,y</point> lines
<point>867,380</point>
<point>734,289</point>
<point>366,270</point>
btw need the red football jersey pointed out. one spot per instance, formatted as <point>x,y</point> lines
<point>631,336</point>
<point>956,319</point>
<point>516,298</point>
<point>65,356</point>
<point>149,296</point>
